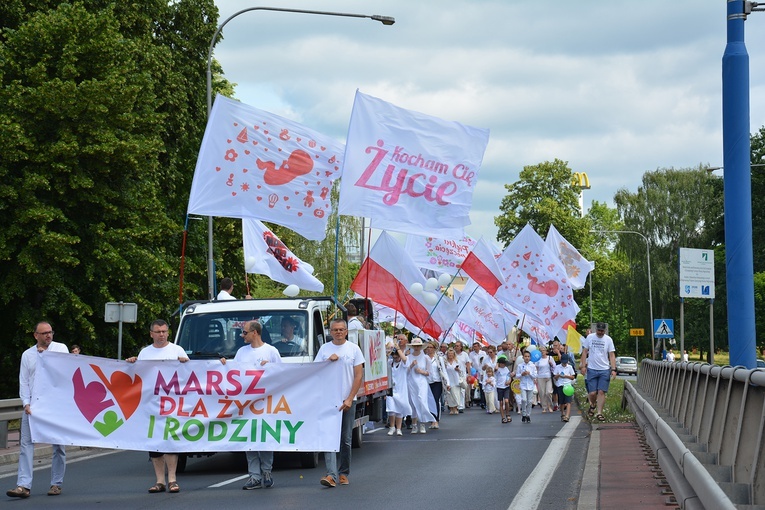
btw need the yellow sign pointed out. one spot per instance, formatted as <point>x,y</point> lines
<point>637,332</point>
<point>580,180</point>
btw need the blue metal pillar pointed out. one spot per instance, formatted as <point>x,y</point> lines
<point>738,191</point>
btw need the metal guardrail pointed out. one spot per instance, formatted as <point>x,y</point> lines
<point>706,424</point>
<point>10,409</point>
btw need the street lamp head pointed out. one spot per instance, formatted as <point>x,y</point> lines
<point>385,20</point>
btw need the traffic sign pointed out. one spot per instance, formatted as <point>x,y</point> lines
<point>637,332</point>
<point>697,273</point>
<point>663,328</point>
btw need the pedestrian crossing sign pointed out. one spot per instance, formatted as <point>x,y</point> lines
<point>663,328</point>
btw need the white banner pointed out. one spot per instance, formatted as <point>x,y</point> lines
<point>441,255</point>
<point>254,164</point>
<point>197,406</point>
<point>409,172</point>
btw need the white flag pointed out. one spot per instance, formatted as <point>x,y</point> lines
<point>264,253</point>
<point>410,172</point>
<point>254,164</point>
<point>441,255</point>
<point>577,267</point>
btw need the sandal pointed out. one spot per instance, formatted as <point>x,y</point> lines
<point>157,487</point>
<point>600,417</point>
<point>18,492</point>
<point>173,487</point>
<point>591,411</point>
<point>504,420</point>
<point>565,418</point>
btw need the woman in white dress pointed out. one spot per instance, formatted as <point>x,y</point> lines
<point>419,389</point>
<point>397,404</point>
<point>454,375</point>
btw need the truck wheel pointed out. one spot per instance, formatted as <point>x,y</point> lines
<point>357,438</point>
<point>181,463</point>
<point>309,460</point>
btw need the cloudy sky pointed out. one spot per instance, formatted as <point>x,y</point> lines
<point>613,88</point>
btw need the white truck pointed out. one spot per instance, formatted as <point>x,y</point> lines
<point>297,328</point>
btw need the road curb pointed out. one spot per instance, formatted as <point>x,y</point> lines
<point>588,492</point>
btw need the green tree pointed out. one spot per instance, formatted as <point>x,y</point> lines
<point>97,138</point>
<point>673,209</point>
<point>544,195</point>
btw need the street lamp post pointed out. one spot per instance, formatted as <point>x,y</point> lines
<point>385,20</point>
<point>648,262</point>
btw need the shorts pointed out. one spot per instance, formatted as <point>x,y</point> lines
<point>598,380</point>
<point>562,397</point>
<point>503,394</point>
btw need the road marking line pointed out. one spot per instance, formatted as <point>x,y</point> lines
<point>229,481</point>
<point>530,494</point>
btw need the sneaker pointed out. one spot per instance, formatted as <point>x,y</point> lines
<point>398,432</point>
<point>391,431</point>
<point>268,482</point>
<point>252,483</point>
<point>461,411</point>
<point>344,480</point>
<point>54,490</point>
<point>415,429</point>
<point>328,481</point>
<point>528,419</point>
<point>555,407</point>
<point>422,429</point>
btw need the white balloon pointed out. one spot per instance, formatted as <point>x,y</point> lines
<point>249,262</point>
<point>415,288</point>
<point>431,284</point>
<point>445,279</point>
<point>430,298</point>
<point>291,290</point>
<point>531,347</point>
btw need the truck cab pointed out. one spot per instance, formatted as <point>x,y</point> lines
<point>213,330</point>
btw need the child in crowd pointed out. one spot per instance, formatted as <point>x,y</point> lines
<point>527,373</point>
<point>504,377</point>
<point>563,375</point>
<point>489,390</point>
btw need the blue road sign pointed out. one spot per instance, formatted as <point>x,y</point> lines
<point>663,328</point>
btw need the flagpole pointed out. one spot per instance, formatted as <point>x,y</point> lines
<point>427,319</point>
<point>385,20</point>
<point>460,312</point>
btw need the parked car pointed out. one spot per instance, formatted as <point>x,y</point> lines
<point>626,365</point>
<point>760,363</point>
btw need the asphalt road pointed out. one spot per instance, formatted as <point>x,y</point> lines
<point>473,461</point>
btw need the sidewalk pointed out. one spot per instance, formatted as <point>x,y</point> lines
<point>621,472</point>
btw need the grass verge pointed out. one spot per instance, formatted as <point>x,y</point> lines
<point>613,408</point>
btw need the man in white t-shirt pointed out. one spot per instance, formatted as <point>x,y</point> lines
<point>598,364</point>
<point>354,321</point>
<point>352,359</point>
<point>257,353</point>
<point>43,334</point>
<point>162,349</point>
<point>226,288</point>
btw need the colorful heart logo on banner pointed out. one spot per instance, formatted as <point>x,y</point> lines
<point>92,398</point>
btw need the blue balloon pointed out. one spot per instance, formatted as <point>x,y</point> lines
<point>473,371</point>
<point>536,355</point>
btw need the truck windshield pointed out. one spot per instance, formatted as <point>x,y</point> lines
<point>216,335</point>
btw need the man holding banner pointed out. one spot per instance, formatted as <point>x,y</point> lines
<point>353,363</point>
<point>257,353</point>
<point>161,349</point>
<point>44,336</point>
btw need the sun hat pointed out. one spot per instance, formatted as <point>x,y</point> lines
<point>417,341</point>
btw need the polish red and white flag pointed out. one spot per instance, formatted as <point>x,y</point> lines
<point>386,277</point>
<point>481,266</point>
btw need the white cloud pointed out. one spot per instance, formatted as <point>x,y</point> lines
<point>615,89</point>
